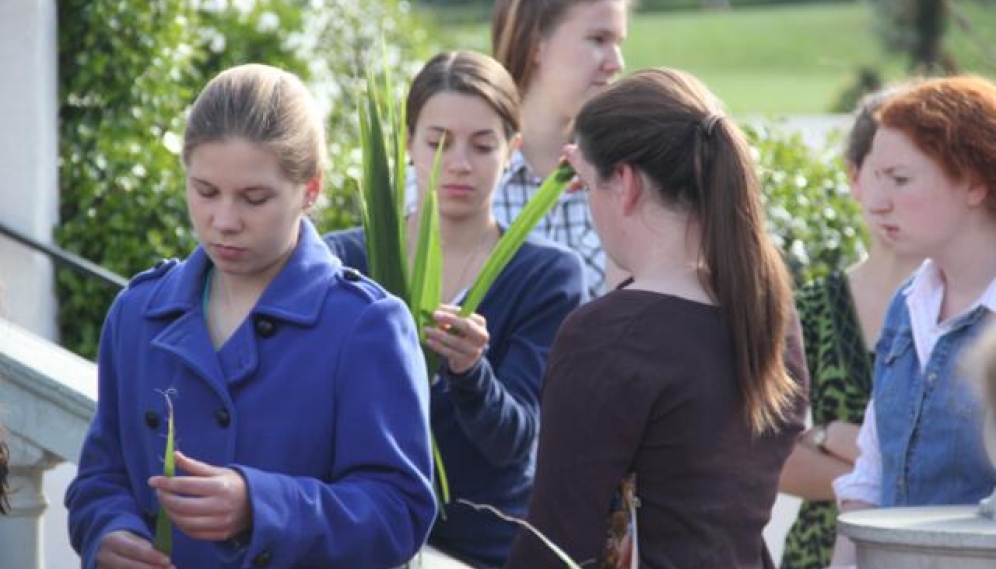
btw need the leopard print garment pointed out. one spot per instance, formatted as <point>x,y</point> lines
<point>840,371</point>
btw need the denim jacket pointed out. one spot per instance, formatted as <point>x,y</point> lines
<point>929,420</point>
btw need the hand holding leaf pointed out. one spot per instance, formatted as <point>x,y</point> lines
<point>211,503</point>
<point>462,340</point>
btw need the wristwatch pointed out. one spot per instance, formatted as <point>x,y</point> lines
<point>820,438</point>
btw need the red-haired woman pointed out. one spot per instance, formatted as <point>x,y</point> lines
<point>933,195</point>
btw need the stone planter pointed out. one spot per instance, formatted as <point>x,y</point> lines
<point>934,537</point>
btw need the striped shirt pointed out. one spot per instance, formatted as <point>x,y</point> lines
<point>568,222</point>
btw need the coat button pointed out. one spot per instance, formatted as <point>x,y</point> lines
<point>223,417</point>
<point>351,274</point>
<point>151,420</point>
<point>265,327</point>
<point>262,560</point>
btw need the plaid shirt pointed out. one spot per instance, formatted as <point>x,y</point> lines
<point>568,223</point>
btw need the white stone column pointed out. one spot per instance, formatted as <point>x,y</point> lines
<point>21,530</point>
<point>29,190</point>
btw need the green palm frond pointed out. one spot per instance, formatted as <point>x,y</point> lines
<point>539,205</point>
<point>164,527</point>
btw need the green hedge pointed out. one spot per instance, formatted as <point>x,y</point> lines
<point>124,81</point>
<point>810,211</point>
<point>128,71</point>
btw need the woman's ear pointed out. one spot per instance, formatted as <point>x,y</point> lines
<point>514,144</point>
<point>629,186</point>
<point>978,192</point>
<point>311,190</point>
<point>854,180</point>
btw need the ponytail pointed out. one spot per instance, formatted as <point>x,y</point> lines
<point>666,124</point>
<point>746,274</point>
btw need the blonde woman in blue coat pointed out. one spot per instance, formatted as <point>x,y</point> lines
<point>297,386</point>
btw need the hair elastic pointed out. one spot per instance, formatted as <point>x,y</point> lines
<point>709,123</point>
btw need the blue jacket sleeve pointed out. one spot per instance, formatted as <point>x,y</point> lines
<point>378,506</point>
<point>498,405</point>
<point>99,499</point>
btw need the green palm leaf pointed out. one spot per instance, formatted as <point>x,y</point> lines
<point>541,202</point>
<point>164,527</point>
<point>427,267</point>
<point>382,220</point>
<point>546,541</point>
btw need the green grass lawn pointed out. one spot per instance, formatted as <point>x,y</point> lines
<point>772,60</point>
<point>769,60</point>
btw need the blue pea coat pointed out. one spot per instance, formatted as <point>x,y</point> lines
<point>319,399</point>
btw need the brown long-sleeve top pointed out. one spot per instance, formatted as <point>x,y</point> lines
<point>644,382</point>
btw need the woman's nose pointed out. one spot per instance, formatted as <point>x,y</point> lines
<point>614,60</point>
<point>874,194</point>
<point>226,217</point>
<point>458,160</point>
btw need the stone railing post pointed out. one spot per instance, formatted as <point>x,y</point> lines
<point>20,530</point>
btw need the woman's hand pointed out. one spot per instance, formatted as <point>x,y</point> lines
<point>210,503</point>
<point>125,550</point>
<point>461,341</point>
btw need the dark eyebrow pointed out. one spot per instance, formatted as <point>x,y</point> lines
<point>245,189</point>
<point>482,132</point>
<point>256,188</point>
<point>203,182</point>
<point>603,30</point>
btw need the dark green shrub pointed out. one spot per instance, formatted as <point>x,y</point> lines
<point>125,76</point>
<point>129,70</point>
<point>810,212</point>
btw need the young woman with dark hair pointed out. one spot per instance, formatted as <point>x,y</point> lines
<point>560,53</point>
<point>690,376</point>
<point>841,316</point>
<point>485,398</point>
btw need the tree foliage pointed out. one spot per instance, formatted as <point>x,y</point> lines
<point>129,70</point>
<point>917,28</point>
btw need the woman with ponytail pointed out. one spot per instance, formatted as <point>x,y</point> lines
<point>690,376</point>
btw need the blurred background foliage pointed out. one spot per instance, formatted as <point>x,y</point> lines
<point>128,71</point>
<point>807,198</point>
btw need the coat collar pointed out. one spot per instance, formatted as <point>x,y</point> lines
<point>296,294</point>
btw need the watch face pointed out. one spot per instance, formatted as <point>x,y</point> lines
<point>820,437</point>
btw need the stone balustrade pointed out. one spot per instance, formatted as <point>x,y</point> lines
<point>47,397</point>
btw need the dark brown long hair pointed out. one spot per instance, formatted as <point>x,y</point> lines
<point>667,125</point>
<point>467,73</point>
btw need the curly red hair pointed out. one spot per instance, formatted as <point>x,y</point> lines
<point>953,121</point>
